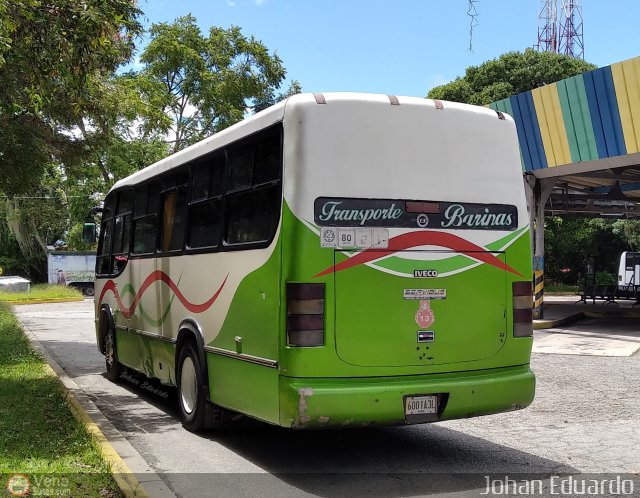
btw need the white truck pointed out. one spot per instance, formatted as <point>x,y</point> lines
<point>76,269</point>
<point>629,270</point>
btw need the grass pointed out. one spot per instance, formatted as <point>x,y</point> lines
<point>561,289</point>
<point>39,436</point>
<point>42,293</point>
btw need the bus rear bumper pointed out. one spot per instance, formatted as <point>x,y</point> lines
<point>356,402</point>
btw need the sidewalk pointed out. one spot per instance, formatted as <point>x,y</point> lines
<point>561,310</point>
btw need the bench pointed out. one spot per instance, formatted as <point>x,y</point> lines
<point>608,293</point>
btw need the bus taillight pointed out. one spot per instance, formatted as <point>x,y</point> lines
<point>522,312</point>
<point>305,315</point>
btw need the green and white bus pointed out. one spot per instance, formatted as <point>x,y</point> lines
<point>336,260</point>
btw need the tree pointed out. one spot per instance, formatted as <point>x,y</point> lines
<point>70,126</point>
<point>196,85</point>
<point>270,98</point>
<point>55,57</point>
<point>570,241</point>
<point>56,61</point>
<point>509,74</point>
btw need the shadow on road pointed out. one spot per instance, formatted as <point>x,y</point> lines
<point>383,461</point>
<point>378,461</point>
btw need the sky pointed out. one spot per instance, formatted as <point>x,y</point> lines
<point>399,47</point>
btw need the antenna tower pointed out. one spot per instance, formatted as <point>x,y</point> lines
<point>547,26</point>
<point>561,35</point>
<point>571,41</point>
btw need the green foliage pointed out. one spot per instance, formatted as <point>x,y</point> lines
<point>54,57</point>
<point>629,230</point>
<point>42,293</point>
<point>605,278</point>
<point>75,241</point>
<point>70,127</point>
<point>569,242</point>
<point>194,85</point>
<point>38,433</point>
<point>11,261</point>
<point>270,98</point>
<point>509,74</point>
<point>560,289</point>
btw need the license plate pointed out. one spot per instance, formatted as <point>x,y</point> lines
<point>421,409</point>
<point>420,405</point>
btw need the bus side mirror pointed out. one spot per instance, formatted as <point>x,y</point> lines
<point>89,233</point>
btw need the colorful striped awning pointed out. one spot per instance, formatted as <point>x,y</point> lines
<point>595,115</point>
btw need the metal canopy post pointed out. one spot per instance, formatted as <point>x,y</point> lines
<point>539,194</point>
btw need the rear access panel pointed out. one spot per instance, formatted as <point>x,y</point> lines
<point>383,319</point>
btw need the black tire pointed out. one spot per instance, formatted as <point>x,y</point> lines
<point>114,367</point>
<point>191,391</point>
<point>89,290</point>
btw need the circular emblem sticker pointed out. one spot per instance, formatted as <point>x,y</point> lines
<point>329,236</point>
<point>19,485</point>
<point>422,220</point>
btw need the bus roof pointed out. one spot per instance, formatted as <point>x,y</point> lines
<point>275,114</point>
<point>243,128</point>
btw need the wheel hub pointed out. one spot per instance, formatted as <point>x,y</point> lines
<point>188,385</point>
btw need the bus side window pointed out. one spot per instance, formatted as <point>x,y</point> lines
<point>103,266</point>
<point>267,163</point>
<point>253,208</point>
<point>240,167</point>
<point>252,216</point>
<point>205,208</point>
<point>122,230</point>
<point>103,261</point>
<point>174,205</point>
<point>145,218</point>
<point>174,210</point>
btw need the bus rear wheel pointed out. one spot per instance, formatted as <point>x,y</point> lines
<point>114,368</point>
<point>191,391</point>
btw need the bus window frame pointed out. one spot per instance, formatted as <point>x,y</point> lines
<point>122,214</point>
<point>252,140</point>
<point>276,130</point>
<point>112,202</point>
<point>174,188</point>
<point>208,160</point>
<point>147,214</point>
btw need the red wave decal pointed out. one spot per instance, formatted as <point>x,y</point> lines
<point>417,239</point>
<point>153,277</point>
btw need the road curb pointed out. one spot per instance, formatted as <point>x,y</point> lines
<point>625,313</point>
<point>123,476</point>
<point>135,483</point>
<point>46,301</point>
<point>550,324</point>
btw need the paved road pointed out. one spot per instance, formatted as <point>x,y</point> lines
<point>585,418</point>
<point>591,336</point>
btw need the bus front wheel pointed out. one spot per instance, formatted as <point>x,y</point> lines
<point>191,392</point>
<point>114,368</point>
